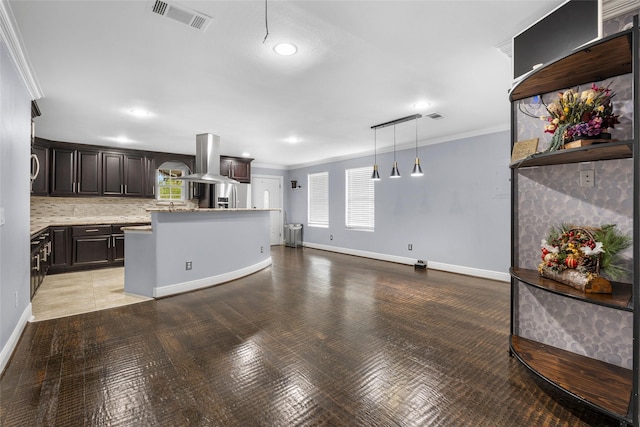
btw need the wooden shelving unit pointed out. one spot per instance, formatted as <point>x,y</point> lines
<point>603,385</point>
<point>606,387</point>
<point>621,298</point>
<point>605,151</point>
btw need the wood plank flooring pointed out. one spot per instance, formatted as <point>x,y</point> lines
<point>316,339</point>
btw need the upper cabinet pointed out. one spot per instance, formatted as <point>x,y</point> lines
<point>75,172</point>
<point>68,169</point>
<point>123,174</point>
<point>238,168</point>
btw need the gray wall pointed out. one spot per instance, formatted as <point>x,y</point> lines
<point>457,213</point>
<point>15,119</point>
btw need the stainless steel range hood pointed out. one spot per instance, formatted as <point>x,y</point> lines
<point>208,161</point>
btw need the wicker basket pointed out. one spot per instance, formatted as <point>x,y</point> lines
<point>590,282</point>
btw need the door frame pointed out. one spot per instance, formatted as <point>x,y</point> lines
<point>281,182</point>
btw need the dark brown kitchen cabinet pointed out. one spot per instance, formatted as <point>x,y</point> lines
<point>91,245</point>
<point>149,176</point>
<point>75,172</point>
<point>117,242</point>
<point>237,168</point>
<point>40,185</point>
<point>40,259</point>
<point>123,174</point>
<point>60,247</point>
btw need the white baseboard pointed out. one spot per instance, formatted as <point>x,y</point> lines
<point>179,288</point>
<point>469,271</point>
<point>365,254</point>
<point>7,350</point>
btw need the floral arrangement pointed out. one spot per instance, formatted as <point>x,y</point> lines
<point>587,250</point>
<point>579,114</point>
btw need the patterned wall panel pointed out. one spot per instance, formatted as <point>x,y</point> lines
<point>591,330</point>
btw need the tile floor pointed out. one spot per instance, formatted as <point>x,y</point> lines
<point>67,294</point>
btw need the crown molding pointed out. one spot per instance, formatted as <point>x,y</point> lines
<point>10,35</point>
<point>613,8</point>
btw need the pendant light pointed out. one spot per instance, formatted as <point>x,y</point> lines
<point>395,173</point>
<point>417,170</point>
<point>375,176</point>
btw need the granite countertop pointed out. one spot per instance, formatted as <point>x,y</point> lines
<point>187,209</point>
<point>143,228</point>
<point>40,223</point>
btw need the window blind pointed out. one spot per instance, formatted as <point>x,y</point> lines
<point>360,195</point>
<point>318,204</point>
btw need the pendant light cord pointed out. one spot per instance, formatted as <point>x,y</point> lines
<point>394,143</point>
<point>416,137</point>
<point>266,22</point>
<point>375,146</point>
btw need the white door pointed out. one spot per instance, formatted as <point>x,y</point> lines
<point>266,192</point>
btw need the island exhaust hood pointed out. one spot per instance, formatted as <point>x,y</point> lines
<point>208,161</point>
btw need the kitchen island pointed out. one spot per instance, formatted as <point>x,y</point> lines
<point>186,249</point>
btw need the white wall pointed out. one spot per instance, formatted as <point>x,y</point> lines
<point>457,214</point>
<point>15,125</point>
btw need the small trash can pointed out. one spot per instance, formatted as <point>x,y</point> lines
<point>293,235</point>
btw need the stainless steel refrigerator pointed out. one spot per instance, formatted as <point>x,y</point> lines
<point>225,196</point>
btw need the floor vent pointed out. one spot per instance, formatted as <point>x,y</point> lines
<point>435,116</point>
<point>192,18</point>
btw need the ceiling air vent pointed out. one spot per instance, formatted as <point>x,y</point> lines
<point>435,116</point>
<point>192,18</point>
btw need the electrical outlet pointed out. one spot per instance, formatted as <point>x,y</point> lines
<point>261,249</point>
<point>16,299</point>
<point>410,247</point>
<point>330,236</point>
<point>188,265</point>
<point>588,178</point>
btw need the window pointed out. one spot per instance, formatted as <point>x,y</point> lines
<point>170,187</point>
<point>360,201</point>
<point>318,215</point>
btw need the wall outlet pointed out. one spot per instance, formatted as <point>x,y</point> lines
<point>261,249</point>
<point>330,236</point>
<point>188,265</point>
<point>16,299</point>
<point>588,178</point>
<point>410,247</point>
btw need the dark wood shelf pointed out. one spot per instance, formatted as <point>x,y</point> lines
<point>605,386</point>
<point>602,59</point>
<point>590,153</point>
<point>621,298</point>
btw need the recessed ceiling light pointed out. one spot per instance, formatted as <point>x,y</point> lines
<point>421,105</point>
<point>292,140</point>
<point>121,139</point>
<point>139,112</point>
<point>245,154</point>
<point>285,49</point>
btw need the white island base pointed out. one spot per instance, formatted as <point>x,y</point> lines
<point>220,244</point>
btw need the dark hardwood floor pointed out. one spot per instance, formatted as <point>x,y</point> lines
<point>316,339</point>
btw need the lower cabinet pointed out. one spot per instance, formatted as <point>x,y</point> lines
<point>84,247</point>
<point>91,245</point>
<point>60,247</point>
<point>40,259</point>
<point>117,243</point>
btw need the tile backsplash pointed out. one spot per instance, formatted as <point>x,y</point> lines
<point>83,207</point>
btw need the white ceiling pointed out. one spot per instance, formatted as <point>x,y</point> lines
<point>359,63</point>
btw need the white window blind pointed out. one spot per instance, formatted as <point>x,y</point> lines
<point>318,184</point>
<point>360,203</point>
